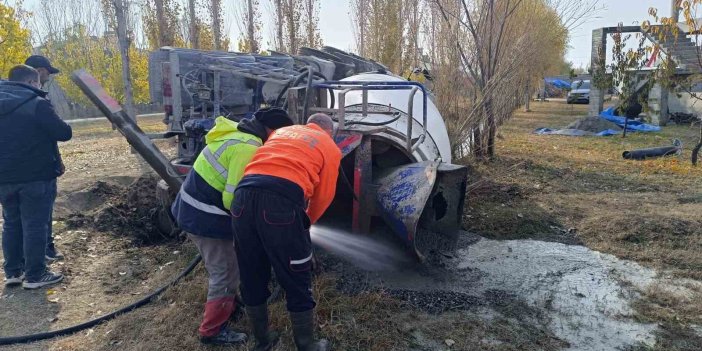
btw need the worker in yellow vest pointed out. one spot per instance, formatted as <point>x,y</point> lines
<point>202,210</point>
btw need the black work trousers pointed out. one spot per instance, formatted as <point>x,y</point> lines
<point>272,230</point>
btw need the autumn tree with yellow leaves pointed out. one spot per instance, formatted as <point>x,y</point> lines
<point>14,38</point>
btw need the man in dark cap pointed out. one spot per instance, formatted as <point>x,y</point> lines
<point>29,166</point>
<point>202,210</point>
<point>45,69</point>
<point>43,66</point>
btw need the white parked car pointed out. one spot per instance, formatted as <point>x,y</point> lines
<point>579,92</point>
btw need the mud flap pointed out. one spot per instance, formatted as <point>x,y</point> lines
<point>422,203</point>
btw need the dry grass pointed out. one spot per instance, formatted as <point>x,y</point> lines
<point>580,190</point>
<point>367,321</point>
<point>572,189</point>
<point>362,322</point>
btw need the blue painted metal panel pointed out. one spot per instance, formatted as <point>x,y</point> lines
<point>402,196</point>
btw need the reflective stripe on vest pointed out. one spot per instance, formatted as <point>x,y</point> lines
<point>201,205</point>
<point>213,158</point>
<point>229,188</point>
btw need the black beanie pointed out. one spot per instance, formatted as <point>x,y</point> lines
<point>273,117</point>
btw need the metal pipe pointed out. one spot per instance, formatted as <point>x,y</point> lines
<point>131,131</point>
<point>358,85</point>
<point>342,108</point>
<point>176,123</point>
<point>642,154</point>
<point>410,118</point>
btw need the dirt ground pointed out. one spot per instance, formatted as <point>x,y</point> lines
<point>567,246</point>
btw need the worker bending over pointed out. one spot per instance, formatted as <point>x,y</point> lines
<point>202,210</point>
<point>288,185</point>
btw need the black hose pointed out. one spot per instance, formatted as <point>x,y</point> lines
<point>295,82</point>
<point>304,73</point>
<point>76,328</point>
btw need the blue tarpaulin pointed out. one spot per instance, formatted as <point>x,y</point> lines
<point>608,114</point>
<point>635,126</point>
<point>558,83</point>
<point>574,132</point>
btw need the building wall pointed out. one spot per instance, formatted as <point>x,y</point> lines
<point>685,103</point>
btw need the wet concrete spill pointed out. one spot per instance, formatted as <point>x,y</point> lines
<point>584,295</point>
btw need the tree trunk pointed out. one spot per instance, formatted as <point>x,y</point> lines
<point>161,19</point>
<point>217,24</point>
<point>121,8</point>
<point>527,102</point>
<point>280,22</point>
<point>488,147</point>
<point>362,30</point>
<point>251,28</point>
<point>477,142</point>
<point>291,22</point>
<point>194,36</point>
<point>311,28</point>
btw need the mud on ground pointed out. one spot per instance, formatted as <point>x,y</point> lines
<point>129,211</point>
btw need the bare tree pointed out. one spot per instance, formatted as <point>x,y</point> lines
<point>414,12</point>
<point>360,20</point>
<point>161,22</point>
<point>121,9</point>
<point>501,45</point>
<point>194,33</point>
<point>385,32</point>
<point>574,13</point>
<point>249,23</point>
<point>296,24</point>
<point>279,24</point>
<point>216,14</point>
<point>313,39</point>
<point>291,13</point>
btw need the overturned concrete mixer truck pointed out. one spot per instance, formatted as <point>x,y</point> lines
<point>396,171</point>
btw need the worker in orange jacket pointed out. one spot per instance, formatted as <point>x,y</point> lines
<point>286,188</point>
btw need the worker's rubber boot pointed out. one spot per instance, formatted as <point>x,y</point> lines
<point>303,332</point>
<point>226,336</point>
<point>258,316</point>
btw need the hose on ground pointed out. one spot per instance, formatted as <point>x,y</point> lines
<point>76,328</point>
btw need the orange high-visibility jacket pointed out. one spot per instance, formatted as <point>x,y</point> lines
<point>305,155</point>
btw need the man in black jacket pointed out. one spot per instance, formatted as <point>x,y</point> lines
<point>46,70</point>
<point>29,166</point>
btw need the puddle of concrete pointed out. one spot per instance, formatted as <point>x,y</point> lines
<point>585,293</point>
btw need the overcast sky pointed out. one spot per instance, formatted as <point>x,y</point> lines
<point>335,22</point>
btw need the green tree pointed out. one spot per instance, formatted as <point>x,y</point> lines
<point>15,43</point>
